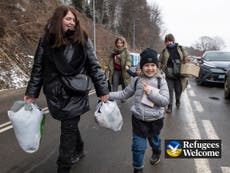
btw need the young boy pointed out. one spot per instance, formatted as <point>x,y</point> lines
<point>151,96</point>
<point>131,73</point>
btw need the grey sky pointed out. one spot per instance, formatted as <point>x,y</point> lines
<point>188,20</point>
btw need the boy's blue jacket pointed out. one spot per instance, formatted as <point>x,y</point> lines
<point>141,111</point>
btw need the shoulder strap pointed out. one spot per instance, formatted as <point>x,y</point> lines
<point>180,48</point>
<point>158,82</point>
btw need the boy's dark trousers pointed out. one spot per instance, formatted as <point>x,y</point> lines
<point>70,144</point>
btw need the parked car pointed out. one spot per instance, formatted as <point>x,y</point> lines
<point>194,59</point>
<point>227,85</point>
<point>213,67</point>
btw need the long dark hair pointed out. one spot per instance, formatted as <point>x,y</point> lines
<point>53,28</point>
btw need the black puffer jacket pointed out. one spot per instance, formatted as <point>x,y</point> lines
<point>62,103</point>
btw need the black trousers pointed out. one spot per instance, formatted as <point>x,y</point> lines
<point>70,143</point>
<point>174,85</point>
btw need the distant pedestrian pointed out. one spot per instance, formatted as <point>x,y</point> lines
<point>151,96</point>
<point>65,50</point>
<point>119,59</point>
<point>170,61</point>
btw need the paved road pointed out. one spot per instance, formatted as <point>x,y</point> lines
<point>204,114</point>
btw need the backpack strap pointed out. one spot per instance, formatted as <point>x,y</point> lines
<point>182,50</point>
<point>158,82</point>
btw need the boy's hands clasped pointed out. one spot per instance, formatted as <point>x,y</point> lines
<point>147,88</point>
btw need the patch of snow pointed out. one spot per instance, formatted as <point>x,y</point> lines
<point>30,56</point>
<point>20,7</point>
<point>18,80</point>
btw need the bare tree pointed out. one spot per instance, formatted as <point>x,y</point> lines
<point>139,23</point>
<point>155,27</point>
<point>207,43</point>
<point>218,43</point>
<point>78,4</point>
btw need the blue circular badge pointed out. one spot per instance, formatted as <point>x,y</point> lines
<point>173,149</point>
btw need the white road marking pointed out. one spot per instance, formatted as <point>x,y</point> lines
<point>198,106</point>
<point>191,93</point>
<point>225,169</point>
<point>209,129</point>
<point>201,165</point>
<point>192,125</point>
<point>6,128</point>
<point>5,124</point>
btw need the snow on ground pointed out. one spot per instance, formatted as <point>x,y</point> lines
<point>14,77</point>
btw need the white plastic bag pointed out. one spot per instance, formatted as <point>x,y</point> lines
<point>28,122</point>
<point>108,115</point>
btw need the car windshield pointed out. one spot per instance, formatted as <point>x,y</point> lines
<point>217,56</point>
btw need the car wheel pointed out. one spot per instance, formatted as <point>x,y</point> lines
<point>226,90</point>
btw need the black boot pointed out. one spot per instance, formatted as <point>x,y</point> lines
<point>138,170</point>
<point>79,150</point>
<point>178,103</point>
<point>62,169</point>
<point>77,157</point>
<point>169,109</point>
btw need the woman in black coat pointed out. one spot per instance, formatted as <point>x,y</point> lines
<point>65,50</point>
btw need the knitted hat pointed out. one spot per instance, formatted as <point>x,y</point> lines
<point>148,56</point>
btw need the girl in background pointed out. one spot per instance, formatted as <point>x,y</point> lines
<point>119,59</point>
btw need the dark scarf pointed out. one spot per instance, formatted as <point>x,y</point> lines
<point>69,59</point>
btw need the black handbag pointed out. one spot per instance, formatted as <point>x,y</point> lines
<point>176,67</point>
<point>78,83</point>
<point>174,72</point>
<point>73,80</point>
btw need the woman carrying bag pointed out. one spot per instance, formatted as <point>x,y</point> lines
<point>64,51</point>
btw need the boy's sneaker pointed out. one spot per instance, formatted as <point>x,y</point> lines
<point>155,159</point>
<point>76,158</point>
<point>138,170</point>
